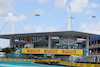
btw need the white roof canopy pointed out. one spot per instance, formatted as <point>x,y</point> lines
<point>59,33</point>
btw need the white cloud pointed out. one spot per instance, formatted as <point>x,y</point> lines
<point>16,18</point>
<point>40,1</point>
<point>39,11</point>
<point>4,7</point>
<point>90,28</point>
<point>88,12</point>
<point>41,28</point>
<point>50,14</point>
<point>93,5</point>
<point>60,3</point>
<point>43,1</point>
<point>78,5</point>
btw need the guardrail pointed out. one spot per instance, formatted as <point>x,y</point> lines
<point>52,60</point>
<point>80,64</point>
<point>12,59</point>
<point>94,46</point>
<point>90,60</point>
<point>94,54</point>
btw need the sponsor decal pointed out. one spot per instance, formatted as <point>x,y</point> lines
<point>50,51</point>
<point>69,51</point>
<point>81,64</point>
<point>71,63</point>
<point>76,64</point>
<point>88,65</point>
<point>33,51</point>
<point>96,65</point>
<point>53,51</point>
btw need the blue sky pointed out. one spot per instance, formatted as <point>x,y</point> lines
<point>53,16</point>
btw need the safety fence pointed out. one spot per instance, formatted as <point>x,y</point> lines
<point>48,60</point>
<point>89,59</point>
<point>80,64</point>
<point>53,60</point>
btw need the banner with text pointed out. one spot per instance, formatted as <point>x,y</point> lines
<point>52,51</point>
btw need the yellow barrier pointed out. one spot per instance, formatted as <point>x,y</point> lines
<point>7,59</point>
<point>80,64</point>
<point>52,51</point>
<point>48,60</point>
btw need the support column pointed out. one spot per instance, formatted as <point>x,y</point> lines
<point>49,42</point>
<point>15,45</point>
<point>33,45</point>
<point>19,45</point>
<point>87,46</point>
<point>12,42</point>
<point>69,23</point>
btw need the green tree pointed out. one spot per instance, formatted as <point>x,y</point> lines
<point>8,50</point>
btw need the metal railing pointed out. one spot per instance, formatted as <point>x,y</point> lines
<point>94,53</point>
<point>84,59</point>
<point>91,60</point>
<point>94,46</point>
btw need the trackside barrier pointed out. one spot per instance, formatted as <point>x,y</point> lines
<point>48,60</point>
<point>80,64</point>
